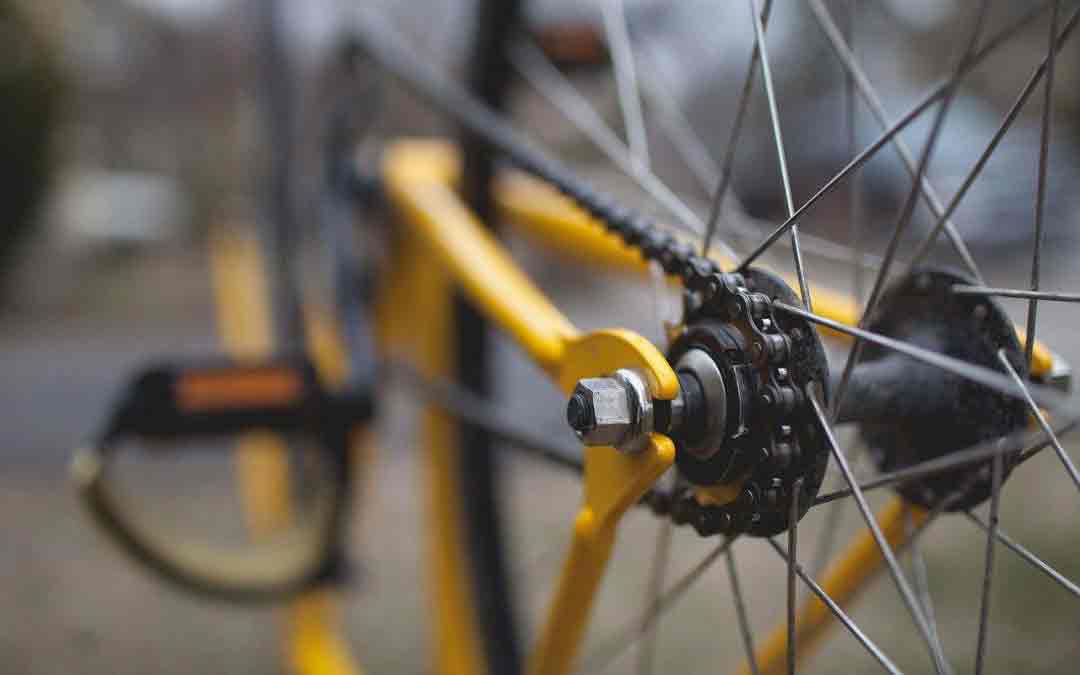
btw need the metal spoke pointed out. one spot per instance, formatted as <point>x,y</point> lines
<point>978,453</point>
<point>1027,556</point>
<point>678,129</point>
<point>1036,76</point>
<point>781,152</point>
<point>1053,296</point>
<point>984,376</point>
<point>1041,419</point>
<point>733,139</point>
<point>793,555</point>
<point>740,611</point>
<point>647,646</point>
<point>1040,193</point>
<point>935,94</point>
<point>902,586</point>
<point>919,574</point>
<point>842,617</point>
<point>854,234</point>
<point>827,539</point>
<point>877,108</point>
<point>622,639</point>
<point>988,570</point>
<point>622,57</point>
<point>543,76</point>
<point>905,216</point>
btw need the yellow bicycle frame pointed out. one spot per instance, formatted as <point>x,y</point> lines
<point>445,248</point>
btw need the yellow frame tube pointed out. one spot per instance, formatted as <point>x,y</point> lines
<point>311,623</point>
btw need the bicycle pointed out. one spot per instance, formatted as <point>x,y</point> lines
<point>941,385</point>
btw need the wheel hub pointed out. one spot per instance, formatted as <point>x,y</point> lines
<point>745,420</point>
<point>909,412</point>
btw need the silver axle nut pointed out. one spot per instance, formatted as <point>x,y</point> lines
<point>612,411</point>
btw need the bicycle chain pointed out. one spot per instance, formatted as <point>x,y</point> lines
<point>720,294</point>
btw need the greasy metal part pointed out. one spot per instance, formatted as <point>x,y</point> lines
<point>742,436</point>
<point>909,412</point>
<point>698,364</point>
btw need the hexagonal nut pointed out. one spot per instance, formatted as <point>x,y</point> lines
<point>612,409</point>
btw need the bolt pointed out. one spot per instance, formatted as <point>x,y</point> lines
<point>580,414</point>
<point>612,411</point>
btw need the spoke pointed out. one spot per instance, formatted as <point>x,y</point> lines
<point>1053,296</point>
<point>1028,556</point>
<point>680,132</point>
<point>984,376</point>
<point>902,586</point>
<point>622,56</point>
<point>874,650</point>
<point>622,639</point>
<point>733,140</point>
<point>827,539</point>
<point>539,72</point>
<point>919,573</point>
<point>387,46</point>
<point>793,556</point>
<point>980,452</point>
<point>854,233</point>
<point>935,94</point>
<point>1041,419</point>
<point>877,108</point>
<point>833,182</point>
<point>1017,107</point>
<point>740,612</point>
<point>905,216</point>
<point>1040,194</point>
<point>988,570</point>
<point>781,153</point>
<point>647,636</point>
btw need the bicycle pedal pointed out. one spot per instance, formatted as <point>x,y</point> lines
<point>175,400</point>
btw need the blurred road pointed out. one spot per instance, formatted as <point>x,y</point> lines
<point>74,605</point>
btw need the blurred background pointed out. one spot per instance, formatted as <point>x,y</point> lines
<point>133,128</point>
